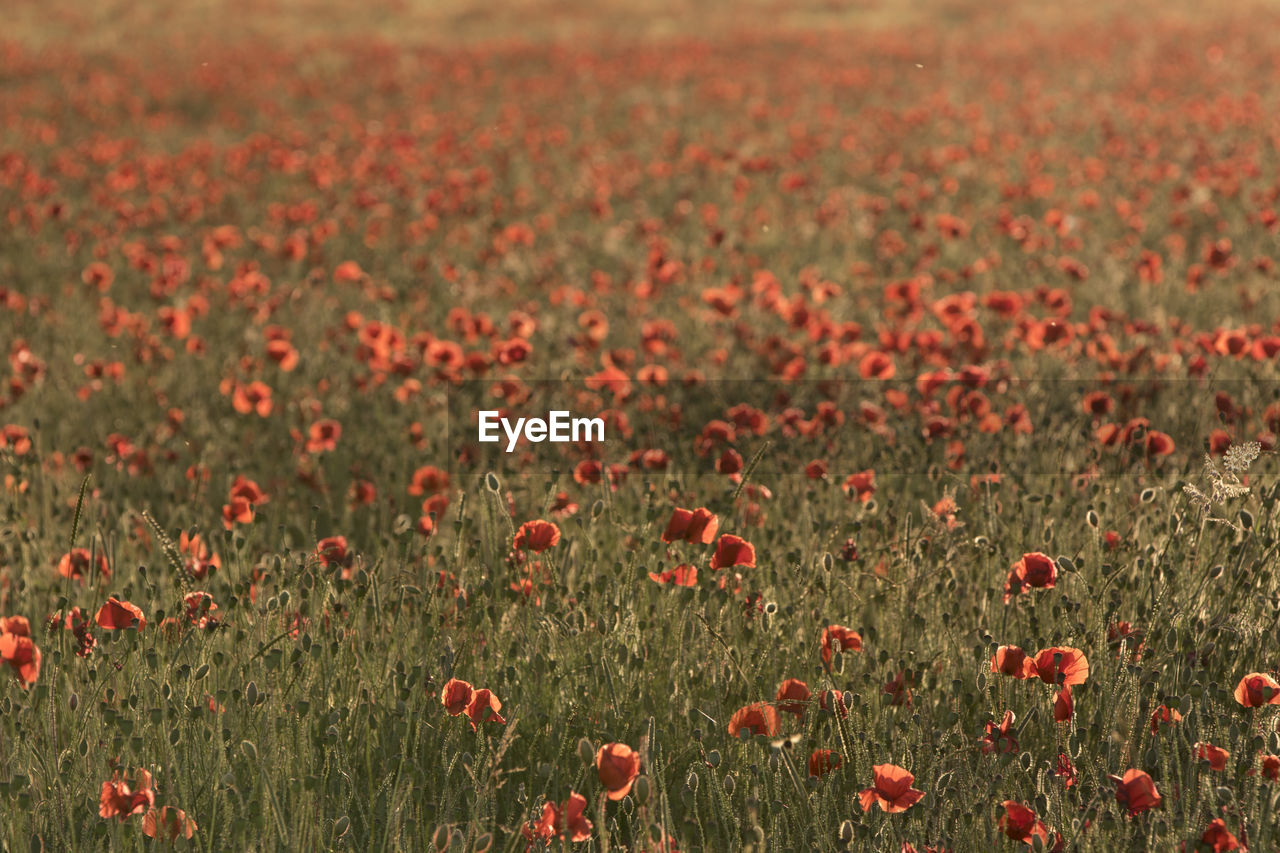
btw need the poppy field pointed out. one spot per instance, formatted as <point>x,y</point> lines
<point>937,358</point>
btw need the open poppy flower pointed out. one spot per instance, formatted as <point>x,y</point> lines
<point>1011,660</point>
<point>999,737</point>
<point>823,761</point>
<point>838,636</point>
<point>22,655</point>
<point>537,536</point>
<point>697,526</point>
<point>567,821</point>
<point>1216,756</point>
<point>484,707</point>
<point>733,551</point>
<point>617,765</point>
<point>1257,689</point>
<point>456,696</point>
<point>117,615</point>
<point>793,697</point>
<point>118,799</point>
<point>1136,791</point>
<point>1033,571</point>
<point>682,575</point>
<point>891,789</point>
<point>75,564</point>
<point>1021,823</point>
<point>168,823</point>
<point>1218,838</point>
<point>758,718</point>
<point>1061,665</point>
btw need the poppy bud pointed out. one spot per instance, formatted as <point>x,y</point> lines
<point>713,758</point>
<point>586,751</point>
<point>492,483</point>
<point>692,782</point>
<point>440,838</point>
<point>729,784</point>
<point>251,693</point>
<point>846,832</point>
<point>483,843</point>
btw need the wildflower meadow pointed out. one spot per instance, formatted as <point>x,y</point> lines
<point>934,351</point>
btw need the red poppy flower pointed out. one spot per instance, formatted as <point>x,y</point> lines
<point>239,511</point>
<point>999,737</point>
<point>428,480</point>
<point>682,575</point>
<point>1257,689</point>
<point>733,551</point>
<point>891,789</point>
<point>1217,838</point>
<point>1158,444</point>
<point>823,761</point>
<point>117,615</point>
<point>1215,755</point>
<point>697,526</point>
<point>1011,660</point>
<point>118,799</point>
<point>1063,706</point>
<point>483,707</point>
<point>617,765</point>
<point>1033,571</point>
<point>254,397</point>
<point>537,536</point>
<point>1061,665</point>
<point>758,718</point>
<point>861,485</point>
<point>456,696</point>
<point>168,823</point>
<point>793,697</point>
<point>322,436</point>
<point>899,689</point>
<point>1021,824</point>
<point>1163,714</point>
<point>75,564</point>
<point>1271,767</point>
<point>22,655</point>
<point>198,606</point>
<point>1136,791</point>
<point>845,638</point>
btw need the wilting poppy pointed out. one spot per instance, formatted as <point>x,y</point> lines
<point>1136,791</point>
<point>117,615</point>
<point>1257,689</point>
<point>484,706</point>
<point>118,799</point>
<point>793,697</point>
<point>617,765</point>
<point>838,635</point>
<point>697,526</point>
<point>537,536</point>
<point>758,718</point>
<point>168,822</point>
<point>891,789</point>
<point>1163,714</point>
<point>1061,665</point>
<point>733,551</point>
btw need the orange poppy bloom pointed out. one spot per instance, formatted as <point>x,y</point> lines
<point>20,652</point>
<point>117,615</point>
<point>201,561</point>
<point>168,823</point>
<point>891,789</point>
<point>484,706</point>
<point>456,696</point>
<point>617,765</point>
<point>1060,665</point>
<point>323,435</point>
<point>733,551</point>
<point>845,638</point>
<point>758,718</point>
<point>537,536</point>
<point>697,526</point>
<point>239,511</point>
<point>1257,689</point>
<point>1136,791</point>
<point>567,821</point>
<point>252,398</point>
<point>793,697</point>
<point>861,485</point>
<point>118,799</point>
